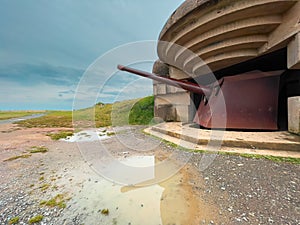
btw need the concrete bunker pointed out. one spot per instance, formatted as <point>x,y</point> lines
<point>233,38</point>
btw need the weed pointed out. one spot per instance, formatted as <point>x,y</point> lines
<point>38,149</point>
<point>24,156</point>
<point>268,157</point>
<point>60,135</point>
<point>44,187</point>
<point>105,211</point>
<point>42,178</point>
<point>110,133</point>
<point>58,200</point>
<point>14,220</point>
<point>36,219</point>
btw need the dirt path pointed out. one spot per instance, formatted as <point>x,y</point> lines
<point>233,190</point>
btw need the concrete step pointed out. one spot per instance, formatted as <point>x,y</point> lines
<point>278,143</point>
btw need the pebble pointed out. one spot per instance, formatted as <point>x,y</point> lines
<point>253,188</point>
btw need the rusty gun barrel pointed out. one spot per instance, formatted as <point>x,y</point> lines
<point>189,86</point>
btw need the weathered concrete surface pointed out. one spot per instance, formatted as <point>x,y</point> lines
<point>294,115</point>
<point>172,103</point>
<point>294,53</point>
<point>278,143</point>
<point>225,32</point>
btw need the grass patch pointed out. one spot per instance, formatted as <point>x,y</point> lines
<point>268,157</point>
<point>60,135</point>
<point>24,156</point>
<point>5,115</point>
<point>105,212</point>
<point>51,119</point>
<point>244,155</point>
<point>58,200</point>
<point>14,220</point>
<point>38,149</point>
<point>142,111</point>
<point>110,133</point>
<point>36,219</point>
<point>44,187</point>
<point>135,112</point>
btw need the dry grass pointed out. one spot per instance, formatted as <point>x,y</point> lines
<point>24,156</point>
<point>38,149</point>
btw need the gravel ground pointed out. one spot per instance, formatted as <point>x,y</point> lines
<point>255,191</point>
<point>233,190</point>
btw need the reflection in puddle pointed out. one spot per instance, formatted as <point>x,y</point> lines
<point>173,201</point>
<point>88,136</point>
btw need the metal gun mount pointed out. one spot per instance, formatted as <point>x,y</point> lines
<point>251,99</point>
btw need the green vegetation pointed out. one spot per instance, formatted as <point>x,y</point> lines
<point>44,187</point>
<point>5,115</point>
<point>58,200</point>
<point>51,119</point>
<point>33,149</point>
<point>17,157</point>
<point>142,112</point>
<point>105,211</point>
<point>36,219</point>
<point>136,111</point>
<point>110,133</point>
<point>14,220</point>
<point>38,149</point>
<point>245,155</point>
<point>103,115</point>
<point>60,135</point>
<point>268,157</point>
<point>10,130</point>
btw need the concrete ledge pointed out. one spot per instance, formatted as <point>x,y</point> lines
<point>265,143</point>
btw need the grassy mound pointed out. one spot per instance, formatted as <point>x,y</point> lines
<point>51,119</point>
<point>136,112</point>
<point>142,112</point>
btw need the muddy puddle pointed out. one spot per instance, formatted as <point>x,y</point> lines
<point>172,201</point>
<point>135,187</point>
<point>89,135</point>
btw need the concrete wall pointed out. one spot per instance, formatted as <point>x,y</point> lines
<point>172,103</point>
<point>294,114</point>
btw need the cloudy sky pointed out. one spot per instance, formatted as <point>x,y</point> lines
<point>46,48</point>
